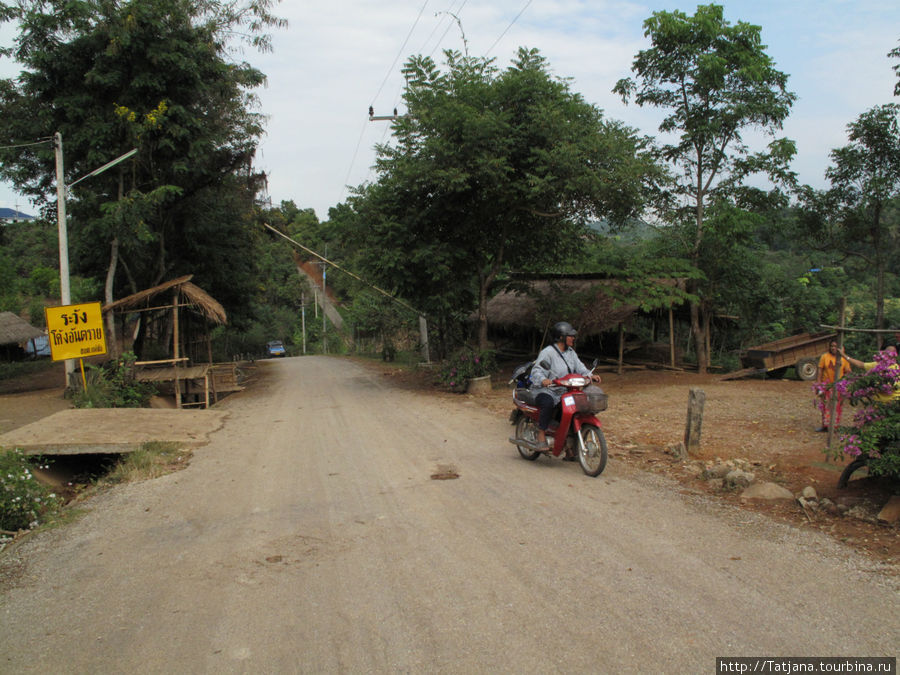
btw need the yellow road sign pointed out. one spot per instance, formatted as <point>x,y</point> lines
<point>76,331</point>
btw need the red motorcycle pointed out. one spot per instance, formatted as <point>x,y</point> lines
<point>575,430</point>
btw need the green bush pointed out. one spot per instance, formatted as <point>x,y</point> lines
<point>24,502</point>
<point>113,385</point>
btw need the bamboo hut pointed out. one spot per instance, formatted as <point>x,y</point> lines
<point>171,320</point>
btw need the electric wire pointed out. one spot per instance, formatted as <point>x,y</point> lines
<point>400,51</point>
<point>49,139</point>
<point>522,11</point>
<point>383,82</point>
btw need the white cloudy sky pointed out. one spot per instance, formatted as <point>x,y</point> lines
<point>337,58</point>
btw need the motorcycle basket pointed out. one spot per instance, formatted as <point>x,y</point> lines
<point>593,400</point>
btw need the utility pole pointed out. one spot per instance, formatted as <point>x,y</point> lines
<point>324,300</point>
<point>303,319</point>
<point>64,288</point>
<point>61,187</point>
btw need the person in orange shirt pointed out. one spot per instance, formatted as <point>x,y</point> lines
<point>831,368</point>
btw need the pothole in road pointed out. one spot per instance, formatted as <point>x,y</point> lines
<point>445,472</point>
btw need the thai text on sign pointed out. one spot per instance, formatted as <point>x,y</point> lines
<point>75,331</point>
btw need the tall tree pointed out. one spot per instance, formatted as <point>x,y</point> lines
<point>156,75</point>
<point>865,179</point>
<point>492,169</point>
<point>715,82</point>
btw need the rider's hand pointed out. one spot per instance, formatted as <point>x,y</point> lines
<point>596,378</point>
<point>546,383</point>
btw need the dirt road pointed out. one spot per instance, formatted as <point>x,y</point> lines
<point>310,536</point>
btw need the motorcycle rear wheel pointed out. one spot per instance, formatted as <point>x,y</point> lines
<point>526,430</point>
<point>593,455</point>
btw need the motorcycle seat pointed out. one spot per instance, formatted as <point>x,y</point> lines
<point>526,396</point>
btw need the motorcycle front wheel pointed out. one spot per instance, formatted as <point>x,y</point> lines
<point>526,430</point>
<point>593,454</point>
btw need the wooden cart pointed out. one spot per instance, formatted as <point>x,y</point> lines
<point>800,351</point>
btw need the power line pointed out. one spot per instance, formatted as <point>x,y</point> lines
<point>352,161</point>
<point>383,82</point>
<point>522,11</point>
<point>344,270</point>
<point>400,51</point>
<point>26,145</point>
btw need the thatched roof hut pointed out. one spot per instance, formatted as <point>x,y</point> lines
<point>163,325</point>
<point>195,297</point>
<point>15,330</point>
<point>529,301</point>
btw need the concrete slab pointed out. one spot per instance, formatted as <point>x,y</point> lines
<point>112,430</point>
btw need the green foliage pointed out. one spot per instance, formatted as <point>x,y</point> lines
<point>714,80</point>
<point>24,502</point>
<point>113,385</point>
<point>465,364</point>
<point>491,169</point>
<point>151,460</point>
<point>158,76</point>
<point>858,214</point>
<point>378,319</point>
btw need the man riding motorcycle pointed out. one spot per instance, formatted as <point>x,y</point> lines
<point>555,360</point>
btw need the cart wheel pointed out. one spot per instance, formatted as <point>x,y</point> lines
<point>806,369</point>
<point>849,470</point>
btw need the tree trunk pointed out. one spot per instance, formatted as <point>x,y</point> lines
<point>482,317</point>
<point>879,274</point>
<point>697,325</point>
<point>698,332</point>
<point>112,342</point>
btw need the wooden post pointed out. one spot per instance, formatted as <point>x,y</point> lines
<point>837,369</point>
<point>175,350</point>
<point>423,337</point>
<point>671,337</point>
<point>696,401</point>
<point>621,347</point>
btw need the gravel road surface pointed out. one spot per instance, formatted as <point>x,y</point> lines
<point>309,536</point>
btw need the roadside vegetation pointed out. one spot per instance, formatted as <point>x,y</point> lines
<point>29,501</point>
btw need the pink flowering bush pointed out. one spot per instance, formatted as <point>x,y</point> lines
<point>875,433</point>
<point>465,364</point>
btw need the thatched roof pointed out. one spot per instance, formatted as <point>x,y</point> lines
<point>599,309</point>
<point>195,296</point>
<point>15,330</point>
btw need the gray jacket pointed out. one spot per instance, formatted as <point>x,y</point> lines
<point>551,364</point>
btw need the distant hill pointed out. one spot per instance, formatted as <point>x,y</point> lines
<point>633,230</point>
<point>13,215</point>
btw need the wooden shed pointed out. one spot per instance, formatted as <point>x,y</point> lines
<point>173,319</point>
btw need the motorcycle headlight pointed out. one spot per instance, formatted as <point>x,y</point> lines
<point>578,381</point>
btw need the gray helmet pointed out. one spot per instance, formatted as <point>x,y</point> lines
<point>562,330</point>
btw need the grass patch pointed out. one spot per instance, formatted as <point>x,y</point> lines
<point>151,460</point>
